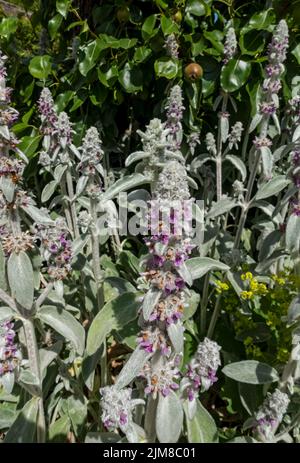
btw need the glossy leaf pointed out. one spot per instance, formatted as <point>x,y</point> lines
<point>40,66</point>
<point>166,67</point>
<point>235,74</point>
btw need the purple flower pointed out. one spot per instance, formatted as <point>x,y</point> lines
<point>267,108</point>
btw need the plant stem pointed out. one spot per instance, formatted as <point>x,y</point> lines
<point>44,295</point>
<point>96,255</point>
<point>219,150</point>
<point>244,213</point>
<point>98,280</point>
<point>34,363</point>
<point>65,207</point>
<point>8,300</point>
<point>203,310</point>
<point>72,203</point>
<point>214,317</point>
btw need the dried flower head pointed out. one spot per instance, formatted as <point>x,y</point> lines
<point>15,244</point>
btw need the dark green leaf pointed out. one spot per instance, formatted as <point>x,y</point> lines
<point>131,78</point>
<point>148,30</point>
<point>54,24</point>
<point>235,74</point>
<point>40,66</point>
<point>166,67</point>
<point>8,27</point>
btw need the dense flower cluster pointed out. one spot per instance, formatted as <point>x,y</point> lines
<point>117,407</point>
<point>161,377</point>
<point>63,129</point>
<point>201,371</point>
<point>47,112</point>
<point>171,45</point>
<point>174,112</point>
<point>17,243</point>
<point>154,141</point>
<point>235,135</point>
<point>55,248</point>
<point>276,56</point>
<point>270,414</point>
<point>169,246</point>
<point>10,355</point>
<point>92,153</point>
<point>211,143</point>
<point>230,45</point>
<point>193,140</point>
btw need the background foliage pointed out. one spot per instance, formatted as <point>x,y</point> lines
<point>106,65</point>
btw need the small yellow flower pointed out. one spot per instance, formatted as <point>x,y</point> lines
<point>254,285</point>
<point>221,286</point>
<point>247,295</point>
<point>262,288</point>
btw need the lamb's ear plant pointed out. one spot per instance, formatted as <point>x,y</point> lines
<point>166,280</point>
<point>106,336</point>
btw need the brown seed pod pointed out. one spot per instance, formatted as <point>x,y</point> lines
<point>193,71</point>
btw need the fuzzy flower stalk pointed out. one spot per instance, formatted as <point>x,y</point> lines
<point>270,415</point>
<point>166,277</point>
<point>269,103</point>
<point>91,181</point>
<point>59,151</point>
<point>230,45</point>
<point>201,373</point>
<point>15,243</point>
<point>10,356</point>
<point>117,410</point>
<point>172,47</point>
<point>174,110</point>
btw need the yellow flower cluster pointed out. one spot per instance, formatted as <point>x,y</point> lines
<point>221,286</point>
<point>271,303</point>
<point>279,280</point>
<point>255,288</point>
